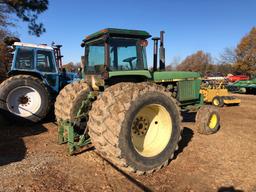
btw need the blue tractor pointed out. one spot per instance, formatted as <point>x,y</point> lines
<point>35,79</point>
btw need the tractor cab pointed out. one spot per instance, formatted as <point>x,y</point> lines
<point>41,61</point>
<point>119,55</point>
<point>113,53</point>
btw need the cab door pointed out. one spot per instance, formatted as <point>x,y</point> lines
<point>46,66</point>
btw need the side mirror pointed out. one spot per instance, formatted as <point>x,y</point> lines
<point>143,43</point>
<point>82,44</point>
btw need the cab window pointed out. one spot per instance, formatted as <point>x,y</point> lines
<point>44,61</point>
<point>124,55</point>
<point>24,58</point>
<point>95,57</point>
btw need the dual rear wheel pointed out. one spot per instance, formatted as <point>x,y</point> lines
<point>135,126</point>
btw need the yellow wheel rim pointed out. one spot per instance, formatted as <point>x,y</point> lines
<point>216,102</point>
<point>213,121</point>
<point>151,130</point>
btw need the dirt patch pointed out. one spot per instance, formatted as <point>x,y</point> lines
<point>31,160</point>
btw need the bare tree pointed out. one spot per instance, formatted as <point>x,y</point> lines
<point>228,56</point>
<point>175,62</point>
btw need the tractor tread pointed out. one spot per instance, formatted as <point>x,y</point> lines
<point>66,98</point>
<point>202,119</point>
<point>28,78</point>
<point>109,110</point>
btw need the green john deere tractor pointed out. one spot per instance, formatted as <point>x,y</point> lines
<point>132,115</point>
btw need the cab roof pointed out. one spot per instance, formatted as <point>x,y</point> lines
<point>30,45</point>
<point>114,32</point>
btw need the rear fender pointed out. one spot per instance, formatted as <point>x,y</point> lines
<point>34,74</point>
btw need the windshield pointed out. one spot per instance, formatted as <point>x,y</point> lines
<point>125,54</point>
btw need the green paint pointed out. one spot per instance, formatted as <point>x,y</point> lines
<point>243,86</point>
<point>144,73</point>
<point>118,33</point>
<point>67,132</point>
<point>69,137</point>
<point>247,83</point>
<point>188,82</point>
<point>188,90</point>
<point>165,76</point>
<point>83,110</point>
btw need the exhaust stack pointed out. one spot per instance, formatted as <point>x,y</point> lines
<point>162,52</point>
<point>155,39</point>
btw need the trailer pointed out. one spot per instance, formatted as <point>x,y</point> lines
<point>248,86</point>
<point>215,93</point>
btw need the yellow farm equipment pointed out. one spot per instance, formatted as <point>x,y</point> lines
<point>214,92</point>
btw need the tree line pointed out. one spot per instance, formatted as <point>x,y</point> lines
<point>240,60</point>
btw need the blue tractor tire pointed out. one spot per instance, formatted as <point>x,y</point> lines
<point>26,97</point>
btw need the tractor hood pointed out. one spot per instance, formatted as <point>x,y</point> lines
<point>166,76</point>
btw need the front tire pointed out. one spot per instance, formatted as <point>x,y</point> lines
<point>26,97</point>
<point>242,90</point>
<point>136,126</point>
<point>218,101</point>
<point>208,120</point>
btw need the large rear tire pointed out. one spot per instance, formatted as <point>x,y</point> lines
<point>26,97</point>
<point>69,101</point>
<point>135,126</point>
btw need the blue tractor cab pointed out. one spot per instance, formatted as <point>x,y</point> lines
<point>35,79</point>
<point>43,62</point>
